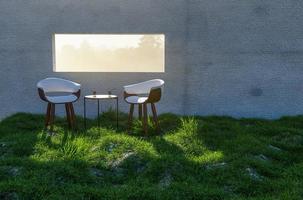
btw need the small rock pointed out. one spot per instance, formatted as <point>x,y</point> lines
<point>96,172</point>
<point>11,171</point>
<point>15,171</point>
<point>262,157</point>
<point>166,180</point>
<point>2,145</point>
<point>111,147</point>
<point>253,174</point>
<point>60,180</point>
<point>119,161</point>
<point>216,165</point>
<point>274,148</point>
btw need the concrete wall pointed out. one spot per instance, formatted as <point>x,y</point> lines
<point>236,57</point>
<point>245,57</point>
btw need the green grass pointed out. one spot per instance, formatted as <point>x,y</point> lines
<point>192,158</point>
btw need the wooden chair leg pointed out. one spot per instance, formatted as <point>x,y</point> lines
<point>130,116</point>
<point>47,116</point>
<point>52,116</point>
<point>140,111</point>
<point>72,115</point>
<point>155,117</point>
<point>145,118</point>
<point>68,115</point>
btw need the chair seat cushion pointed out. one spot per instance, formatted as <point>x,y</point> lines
<point>136,99</point>
<point>62,99</point>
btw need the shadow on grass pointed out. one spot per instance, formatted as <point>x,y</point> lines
<point>167,122</point>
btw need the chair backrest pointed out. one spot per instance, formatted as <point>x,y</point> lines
<point>58,85</point>
<point>144,87</point>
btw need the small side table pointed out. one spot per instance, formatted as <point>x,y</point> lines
<point>99,97</point>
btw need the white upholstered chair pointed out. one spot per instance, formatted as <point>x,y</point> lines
<point>59,91</point>
<point>141,94</point>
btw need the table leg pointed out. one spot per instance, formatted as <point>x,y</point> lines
<point>98,113</point>
<point>117,108</point>
<point>84,113</point>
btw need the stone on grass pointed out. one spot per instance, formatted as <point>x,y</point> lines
<point>254,174</point>
<point>4,147</point>
<point>111,147</point>
<point>95,172</point>
<point>216,165</point>
<point>116,164</point>
<point>119,161</point>
<point>15,171</point>
<point>166,180</point>
<point>135,163</point>
<point>3,144</point>
<point>274,148</point>
<point>60,180</point>
<point>11,170</point>
<point>262,157</point>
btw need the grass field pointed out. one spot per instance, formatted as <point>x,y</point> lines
<point>192,158</point>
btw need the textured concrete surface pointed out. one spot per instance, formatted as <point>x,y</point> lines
<point>245,58</point>
<point>240,57</point>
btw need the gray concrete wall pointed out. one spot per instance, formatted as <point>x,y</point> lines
<point>245,58</point>
<point>240,57</point>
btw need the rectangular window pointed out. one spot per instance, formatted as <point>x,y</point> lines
<point>109,52</point>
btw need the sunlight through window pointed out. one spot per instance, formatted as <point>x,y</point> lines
<point>109,52</point>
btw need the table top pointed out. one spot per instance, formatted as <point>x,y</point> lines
<point>101,96</point>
